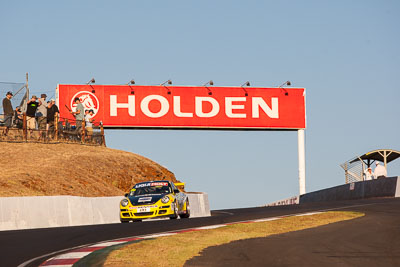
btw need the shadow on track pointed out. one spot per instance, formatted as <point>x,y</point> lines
<point>372,240</point>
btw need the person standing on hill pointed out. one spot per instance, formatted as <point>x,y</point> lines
<point>89,123</point>
<point>52,109</point>
<point>8,112</point>
<point>31,108</point>
<point>41,113</point>
<point>380,171</point>
<point>79,114</point>
<point>18,118</point>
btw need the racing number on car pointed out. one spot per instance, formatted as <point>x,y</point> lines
<point>144,209</point>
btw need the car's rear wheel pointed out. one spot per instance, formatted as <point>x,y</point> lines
<point>187,213</point>
<point>175,215</point>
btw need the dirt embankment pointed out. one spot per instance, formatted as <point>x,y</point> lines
<point>29,169</point>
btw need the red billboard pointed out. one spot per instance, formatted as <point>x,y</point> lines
<point>193,107</point>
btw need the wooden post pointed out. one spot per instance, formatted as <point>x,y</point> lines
<point>385,159</point>
<point>24,128</point>
<point>66,130</point>
<point>83,131</point>
<point>56,126</point>
<point>103,139</point>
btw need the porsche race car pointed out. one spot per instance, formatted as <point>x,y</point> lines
<point>154,199</point>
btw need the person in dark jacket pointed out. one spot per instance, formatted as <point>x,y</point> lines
<point>31,108</point>
<point>18,118</point>
<point>8,112</point>
<point>52,110</point>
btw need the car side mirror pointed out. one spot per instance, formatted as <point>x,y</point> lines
<point>176,191</point>
<point>126,195</point>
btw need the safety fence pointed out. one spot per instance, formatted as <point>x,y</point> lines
<point>33,129</point>
<point>353,170</point>
<point>19,91</point>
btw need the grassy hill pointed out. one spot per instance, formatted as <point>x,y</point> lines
<point>34,169</point>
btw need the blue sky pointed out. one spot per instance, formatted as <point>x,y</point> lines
<point>346,53</point>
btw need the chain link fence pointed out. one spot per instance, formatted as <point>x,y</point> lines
<point>353,170</point>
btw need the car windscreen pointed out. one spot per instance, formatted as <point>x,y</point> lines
<point>151,190</point>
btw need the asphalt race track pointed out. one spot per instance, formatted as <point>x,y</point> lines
<point>372,240</point>
<point>17,247</point>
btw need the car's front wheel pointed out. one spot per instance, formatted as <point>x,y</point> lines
<point>175,215</point>
<point>187,211</point>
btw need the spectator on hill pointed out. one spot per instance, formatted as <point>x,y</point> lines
<point>52,109</point>
<point>8,112</point>
<point>380,171</point>
<point>79,114</point>
<point>369,175</point>
<point>41,114</point>
<point>31,108</point>
<point>18,118</point>
<point>89,123</point>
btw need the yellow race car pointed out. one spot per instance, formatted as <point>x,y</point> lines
<point>154,199</point>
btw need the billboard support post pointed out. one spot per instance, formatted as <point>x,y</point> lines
<point>302,161</point>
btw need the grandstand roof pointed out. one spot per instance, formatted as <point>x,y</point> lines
<point>379,155</point>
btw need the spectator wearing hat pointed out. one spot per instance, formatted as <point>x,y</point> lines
<point>41,114</point>
<point>380,171</point>
<point>52,109</point>
<point>31,108</point>
<point>8,112</point>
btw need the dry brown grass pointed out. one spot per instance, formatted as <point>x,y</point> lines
<point>34,169</point>
<point>177,249</point>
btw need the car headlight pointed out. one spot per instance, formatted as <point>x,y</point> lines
<point>165,199</point>
<point>124,202</point>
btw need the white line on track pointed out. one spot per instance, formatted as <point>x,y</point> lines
<point>211,227</point>
<point>308,214</point>
<point>158,235</point>
<point>267,219</point>
<point>73,255</point>
<point>107,244</point>
<point>51,254</point>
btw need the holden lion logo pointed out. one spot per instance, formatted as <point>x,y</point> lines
<point>88,100</point>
